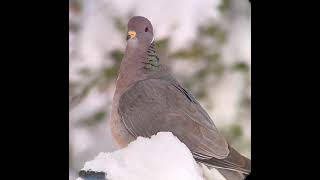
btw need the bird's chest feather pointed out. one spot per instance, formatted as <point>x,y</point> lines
<point>119,132</point>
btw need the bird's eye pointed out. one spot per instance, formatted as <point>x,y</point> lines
<point>146,29</point>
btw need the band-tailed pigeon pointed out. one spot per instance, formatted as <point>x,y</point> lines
<point>148,99</point>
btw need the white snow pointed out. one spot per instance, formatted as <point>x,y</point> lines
<point>162,156</point>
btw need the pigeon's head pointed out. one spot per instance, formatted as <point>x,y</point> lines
<point>140,31</point>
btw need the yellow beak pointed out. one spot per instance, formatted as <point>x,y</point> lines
<point>131,34</point>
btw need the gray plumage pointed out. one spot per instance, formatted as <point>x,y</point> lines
<point>148,100</point>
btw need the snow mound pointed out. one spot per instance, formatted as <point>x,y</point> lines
<point>160,157</point>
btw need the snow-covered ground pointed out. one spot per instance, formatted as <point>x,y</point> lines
<point>161,157</point>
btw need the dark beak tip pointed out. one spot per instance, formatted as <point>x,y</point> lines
<point>128,37</point>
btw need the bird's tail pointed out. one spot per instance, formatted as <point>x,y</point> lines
<point>233,167</point>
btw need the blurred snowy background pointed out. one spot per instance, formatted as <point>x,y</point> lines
<point>206,43</point>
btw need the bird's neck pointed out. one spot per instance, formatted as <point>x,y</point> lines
<point>152,61</point>
<point>136,64</point>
